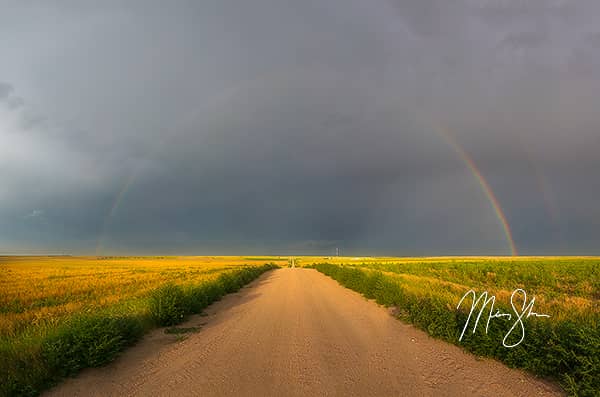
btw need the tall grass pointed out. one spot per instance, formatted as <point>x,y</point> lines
<point>39,292</point>
<point>564,348</point>
<point>33,361</point>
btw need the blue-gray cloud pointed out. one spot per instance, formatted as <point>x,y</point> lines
<point>277,126</point>
<point>5,90</point>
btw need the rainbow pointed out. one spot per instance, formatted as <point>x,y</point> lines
<point>215,102</point>
<point>269,79</point>
<point>113,209</point>
<point>485,186</point>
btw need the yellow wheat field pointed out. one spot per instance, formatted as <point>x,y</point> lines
<point>41,291</point>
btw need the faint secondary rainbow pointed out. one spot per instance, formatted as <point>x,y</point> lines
<point>113,210</point>
<point>485,186</point>
<point>219,100</point>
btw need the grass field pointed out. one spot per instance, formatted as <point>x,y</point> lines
<point>426,292</point>
<point>61,314</point>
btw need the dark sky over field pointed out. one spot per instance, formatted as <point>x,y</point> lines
<point>419,127</point>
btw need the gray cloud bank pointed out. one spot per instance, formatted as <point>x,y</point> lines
<point>298,127</point>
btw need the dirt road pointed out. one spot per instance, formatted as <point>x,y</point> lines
<point>296,332</point>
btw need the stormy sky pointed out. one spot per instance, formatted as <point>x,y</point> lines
<point>294,127</point>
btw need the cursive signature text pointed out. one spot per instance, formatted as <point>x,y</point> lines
<point>521,312</point>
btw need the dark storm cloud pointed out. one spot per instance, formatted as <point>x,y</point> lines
<point>431,17</point>
<point>5,90</point>
<point>505,12</point>
<point>8,99</point>
<point>276,126</point>
<point>524,40</point>
<point>593,39</point>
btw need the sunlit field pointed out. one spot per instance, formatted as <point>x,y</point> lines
<point>49,304</point>
<point>40,291</point>
<point>426,292</point>
<point>61,314</point>
<point>568,288</point>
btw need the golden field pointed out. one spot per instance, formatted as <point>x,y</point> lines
<point>40,291</point>
<point>61,314</point>
<point>567,287</point>
<point>53,309</point>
